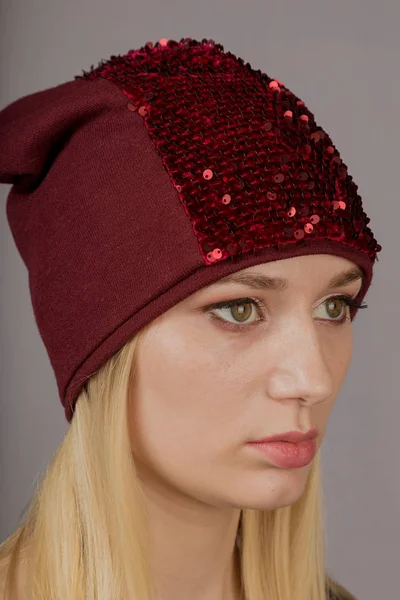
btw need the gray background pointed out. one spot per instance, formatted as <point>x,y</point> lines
<point>342,59</point>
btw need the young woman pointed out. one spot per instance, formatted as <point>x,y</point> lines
<point>197,252</point>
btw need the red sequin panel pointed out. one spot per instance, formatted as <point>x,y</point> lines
<point>247,158</point>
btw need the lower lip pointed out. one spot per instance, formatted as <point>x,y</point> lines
<point>287,454</point>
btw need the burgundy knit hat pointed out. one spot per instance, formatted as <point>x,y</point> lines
<point>154,175</point>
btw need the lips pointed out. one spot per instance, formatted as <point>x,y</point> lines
<point>286,454</point>
<point>289,436</point>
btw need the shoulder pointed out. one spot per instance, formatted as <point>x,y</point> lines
<point>338,596</point>
<point>338,592</point>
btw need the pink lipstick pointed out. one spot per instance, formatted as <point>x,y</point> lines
<point>290,450</point>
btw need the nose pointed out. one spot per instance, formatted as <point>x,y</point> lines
<point>298,368</point>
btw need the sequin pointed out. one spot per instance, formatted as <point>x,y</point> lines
<point>315,219</point>
<point>229,123</point>
<point>308,228</point>
<point>217,253</point>
<point>143,111</point>
<point>208,174</point>
<point>288,114</point>
<point>342,204</point>
<point>291,211</point>
<point>178,188</point>
<point>304,211</point>
<point>163,42</point>
<point>226,198</point>
<point>303,176</point>
<point>305,150</point>
<point>149,44</point>
<point>132,107</point>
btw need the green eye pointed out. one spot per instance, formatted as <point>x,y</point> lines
<point>240,310</point>
<point>237,313</point>
<point>338,308</point>
<point>333,309</point>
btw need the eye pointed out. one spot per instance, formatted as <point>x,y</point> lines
<point>336,308</point>
<point>242,310</point>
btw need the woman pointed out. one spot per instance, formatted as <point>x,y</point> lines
<point>197,252</point>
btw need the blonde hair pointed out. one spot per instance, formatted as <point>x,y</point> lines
<point>84,535</point>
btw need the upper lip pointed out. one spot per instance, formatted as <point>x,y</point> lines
<point>290,436</point>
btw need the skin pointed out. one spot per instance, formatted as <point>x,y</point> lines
<point>202,390</point>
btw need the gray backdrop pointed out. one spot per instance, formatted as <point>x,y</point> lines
<point>342,59</point>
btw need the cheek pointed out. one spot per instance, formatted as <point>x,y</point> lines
<point>187,409</point>
<point>184,402</point>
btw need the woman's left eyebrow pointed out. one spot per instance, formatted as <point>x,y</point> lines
<point>345,278</point>
<point>262,282</point>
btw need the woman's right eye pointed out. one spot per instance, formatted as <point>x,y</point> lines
<point>241,309</point>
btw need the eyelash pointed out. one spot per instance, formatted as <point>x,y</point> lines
<point>348,300</point>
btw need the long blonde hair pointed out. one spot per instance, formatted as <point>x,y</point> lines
<point>84,535</point>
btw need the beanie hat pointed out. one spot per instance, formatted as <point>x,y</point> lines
<point>155,174</point>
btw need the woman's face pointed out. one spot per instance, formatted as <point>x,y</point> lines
<point>209,380</point>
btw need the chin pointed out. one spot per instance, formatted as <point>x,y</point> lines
<point>275,489</point>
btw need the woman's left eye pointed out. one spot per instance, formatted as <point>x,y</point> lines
<point>335,308</point>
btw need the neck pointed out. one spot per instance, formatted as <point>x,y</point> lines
<point>193,552</point>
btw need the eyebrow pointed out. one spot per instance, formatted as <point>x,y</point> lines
<point>262,282</point>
